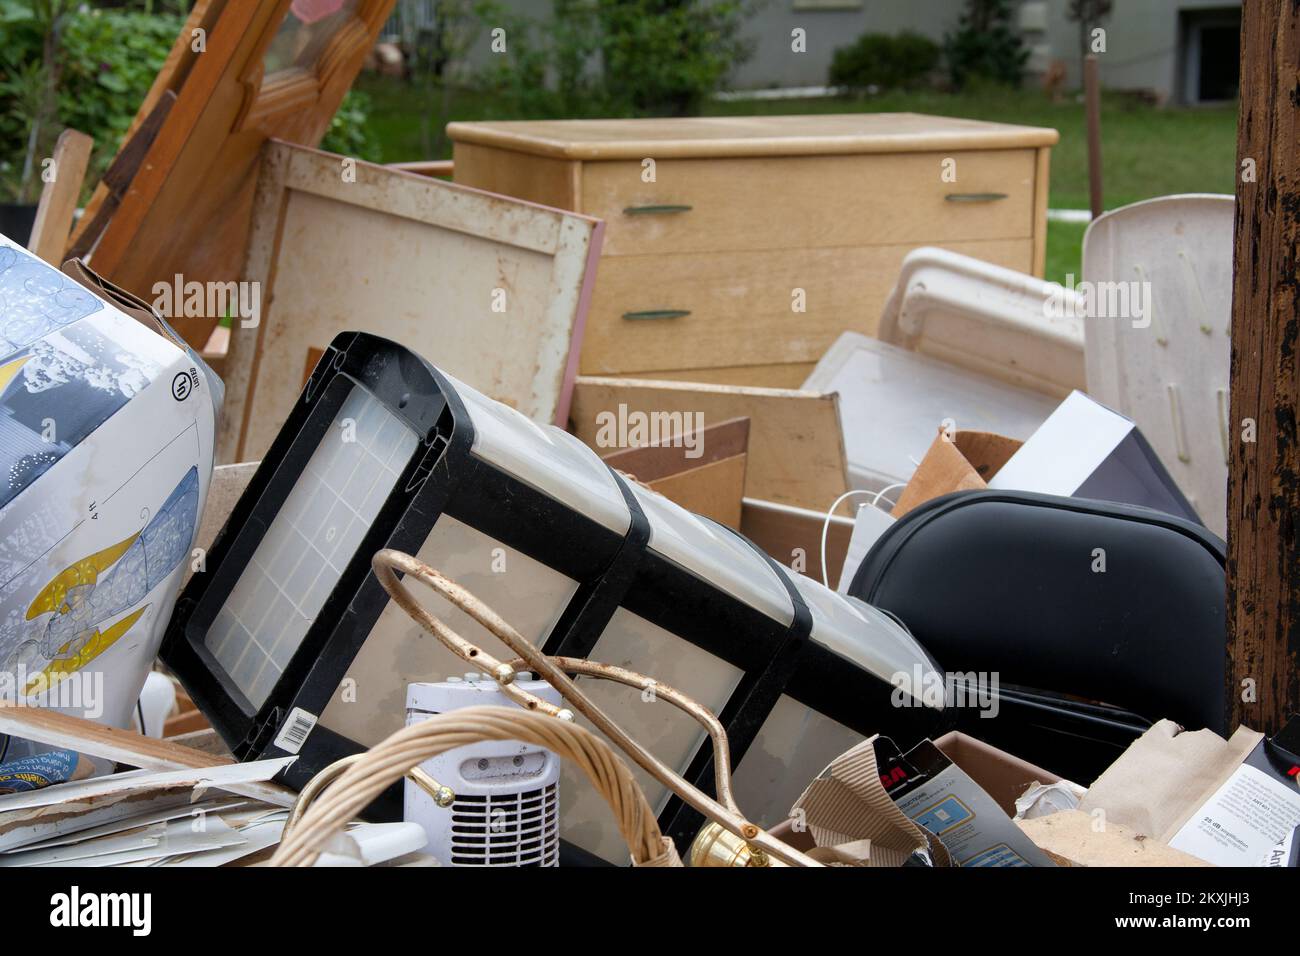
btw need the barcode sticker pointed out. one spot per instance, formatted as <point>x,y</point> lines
<point>295,730</point>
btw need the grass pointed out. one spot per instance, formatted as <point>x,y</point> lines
<point>1146,151</point>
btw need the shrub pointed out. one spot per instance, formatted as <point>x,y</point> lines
<point>105,63</point>
<point>985,46</point>
<point>886,62</point>
<point>615,57</point>
<point>348,133</point>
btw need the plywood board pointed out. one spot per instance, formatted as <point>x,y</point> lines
<point>126,747</point>
<point>703,471</point>
<point>793,536</point>
<point>489,289</point>
<point>796,448</point>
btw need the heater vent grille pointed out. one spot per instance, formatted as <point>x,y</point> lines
<point>509,829</point>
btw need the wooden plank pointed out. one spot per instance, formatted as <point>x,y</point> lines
<point>439,168</point>
<point>117,179</point>
<point>714,490</point>
<point>796,448</point>
<point>58,205</point>
<point>180,59</point>
<point>1263,681</point>
<point>224,490</point>
<point>123,746</point>
<point>793,536</point>
<point>1092,110</point>
<point>703,471</point>
<point>791,375</point>
<point>1072,838</point>
<point>490,289</point>
<point>675,454</point>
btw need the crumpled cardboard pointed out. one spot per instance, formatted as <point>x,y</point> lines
<point>1165,775</point>
<point>853,821</point>
<point>955,461</point>
<point>1073,838</point>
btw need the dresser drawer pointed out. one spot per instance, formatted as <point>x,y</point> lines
<point>736,308</point>
<point>710,205</point>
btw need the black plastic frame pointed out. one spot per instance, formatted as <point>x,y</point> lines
<point>611,571</point>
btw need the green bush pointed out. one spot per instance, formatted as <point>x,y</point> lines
<point>985,46</point>
<point>106,62</point>
<point>885,62</point>
<point>348,133</point>
<point>615,57</point>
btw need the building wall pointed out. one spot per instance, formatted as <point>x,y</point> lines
<point>829,24</point>
<point>1145,39</point>
<point>1144,42</point>
<point>1143,49</point>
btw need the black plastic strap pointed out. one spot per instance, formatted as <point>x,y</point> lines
<point>748,708</point>
<point>593,605</point>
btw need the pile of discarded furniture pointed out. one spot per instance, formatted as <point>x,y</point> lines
<point>739,474</point>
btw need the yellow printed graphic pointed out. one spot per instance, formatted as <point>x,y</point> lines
<point>97,644</point>
<point>9,370</point>
<point>53,596</point>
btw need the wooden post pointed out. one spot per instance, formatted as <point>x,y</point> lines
<point>58,207</point>
<point>1092,109</point>
<point>1264,469</point>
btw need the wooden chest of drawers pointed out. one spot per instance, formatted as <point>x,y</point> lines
<point>738,248</point>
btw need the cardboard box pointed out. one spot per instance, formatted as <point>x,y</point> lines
<point>1003,776</point>
<point>106,438</point>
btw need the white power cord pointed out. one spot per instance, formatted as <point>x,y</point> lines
<point>826,522</point>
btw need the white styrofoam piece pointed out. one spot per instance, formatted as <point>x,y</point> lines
<point>892,402</point>
<point>1168,369</point>
<point>369,844</point>
<point>987,319</point>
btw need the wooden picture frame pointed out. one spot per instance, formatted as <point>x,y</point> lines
<point>492,290</point>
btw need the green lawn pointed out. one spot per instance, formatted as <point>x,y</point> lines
<point>1147,151</point>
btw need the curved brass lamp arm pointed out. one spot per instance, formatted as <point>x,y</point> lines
<point>388,562</point>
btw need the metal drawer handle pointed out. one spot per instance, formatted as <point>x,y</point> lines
<point>658,314</point>
<point>654,210</point>
<point>975,197</point>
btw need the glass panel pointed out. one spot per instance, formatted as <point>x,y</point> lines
<point>309,543</point>
<point>527,593</point>
<point>307,29</point>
